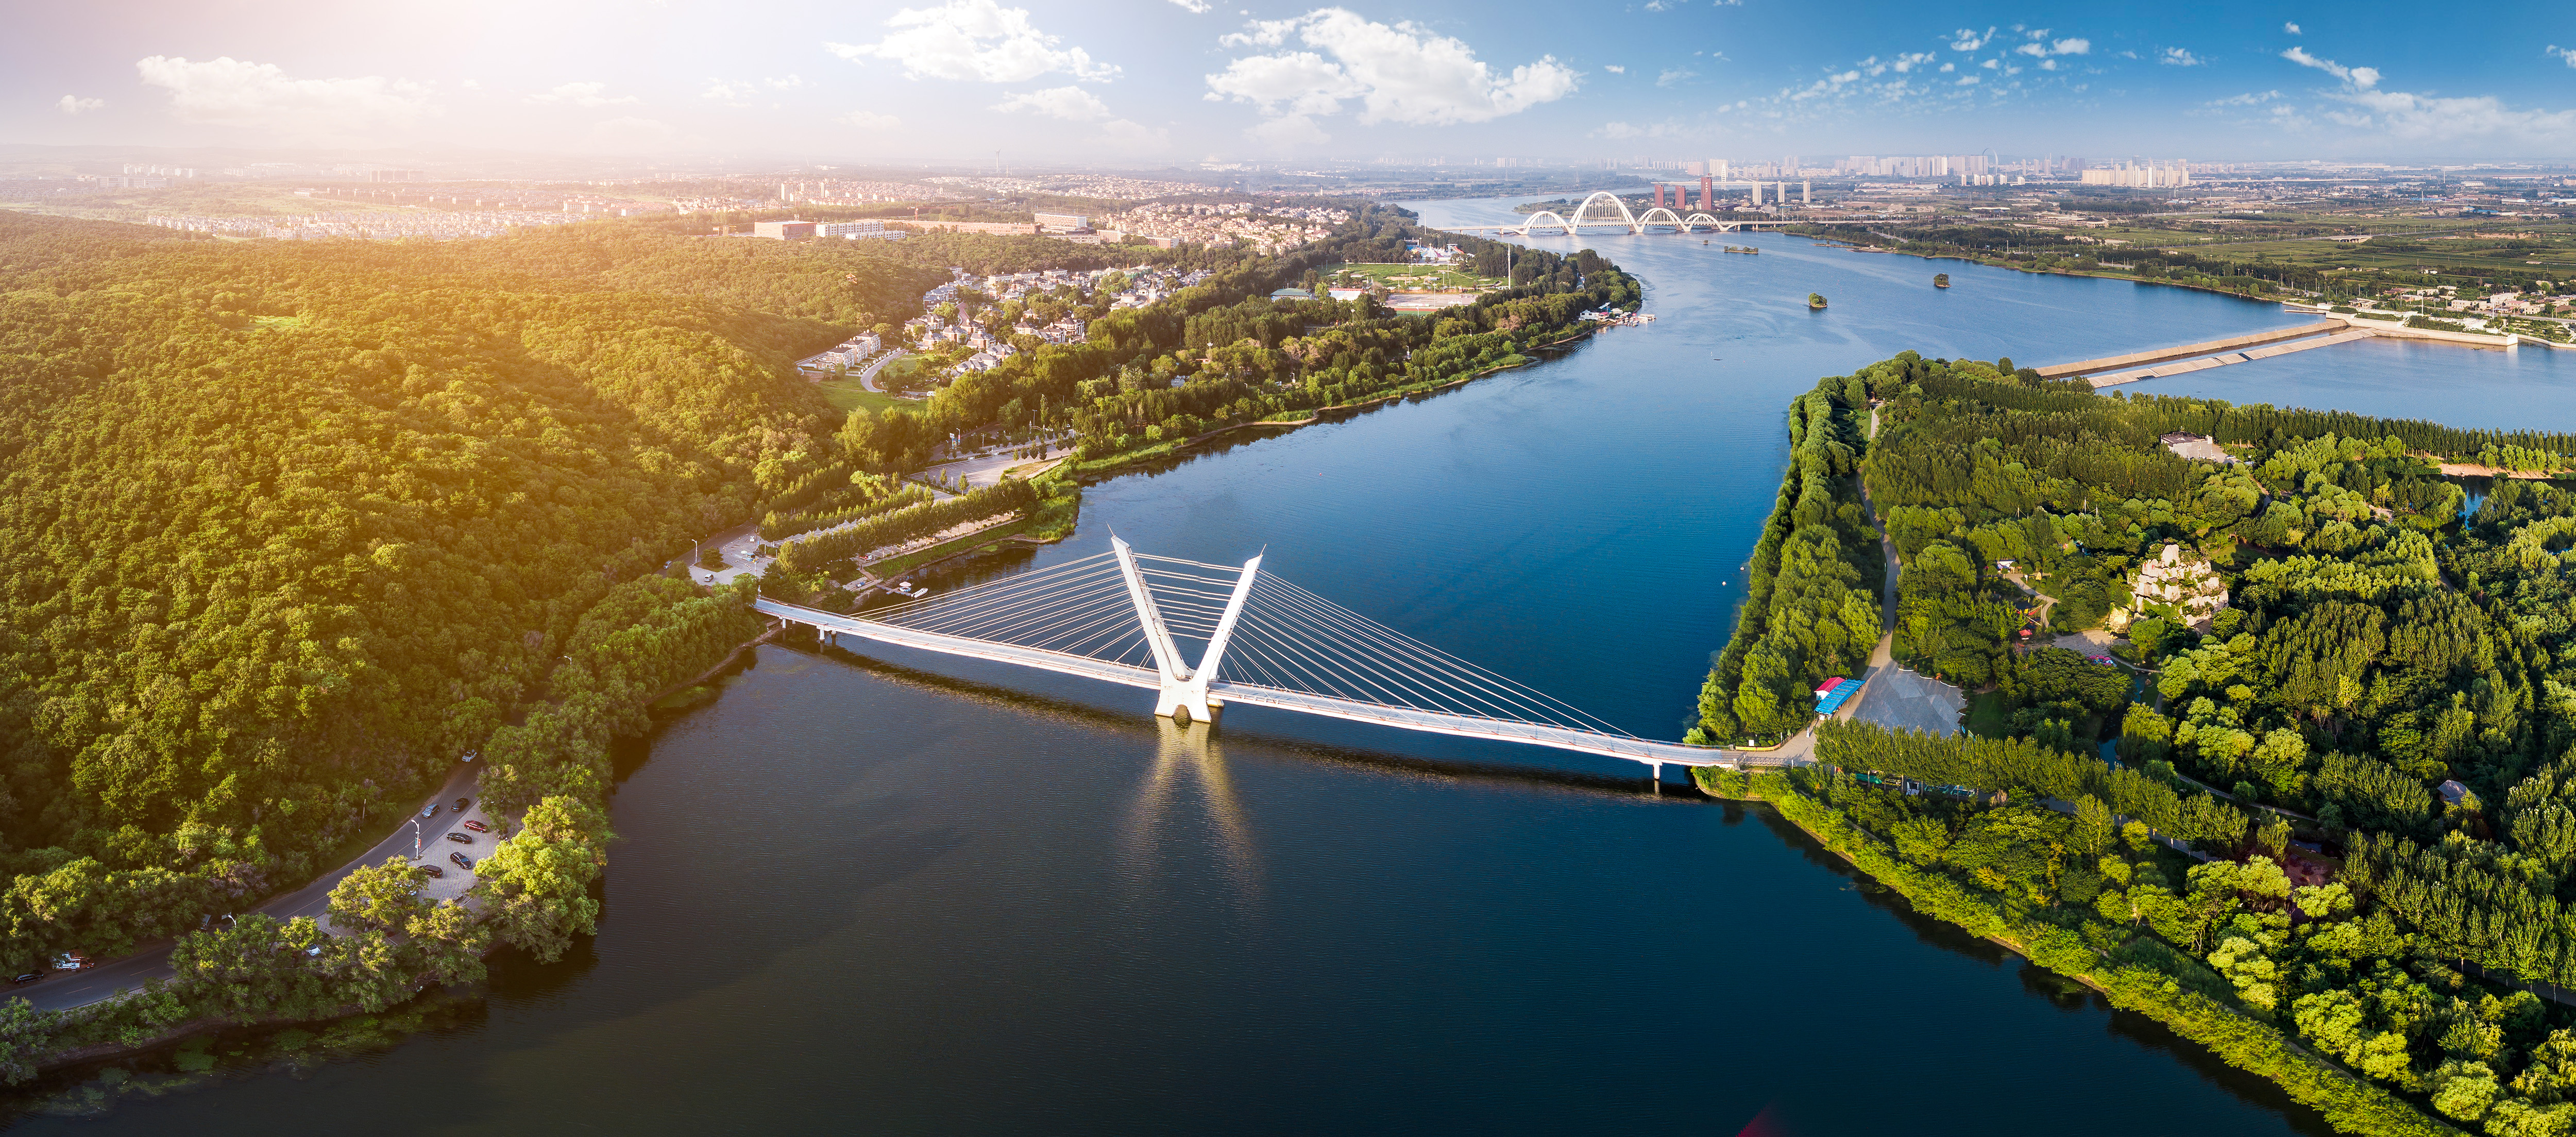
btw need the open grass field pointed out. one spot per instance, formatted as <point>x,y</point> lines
<point>847,395</point>
<point>1407,278</point>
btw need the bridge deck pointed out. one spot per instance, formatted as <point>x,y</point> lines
<point>1640,750</point>
<point>2207,347</point>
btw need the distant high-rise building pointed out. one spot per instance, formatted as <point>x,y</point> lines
<point>1788,165</point>
<point>1717,168</point>
<point>2147,175</point>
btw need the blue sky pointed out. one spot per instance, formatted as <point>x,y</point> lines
<point>1142,82</point>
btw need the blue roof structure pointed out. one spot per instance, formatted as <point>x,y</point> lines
<point>1834,699</point>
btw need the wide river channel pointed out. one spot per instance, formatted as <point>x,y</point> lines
<point>906,894</point>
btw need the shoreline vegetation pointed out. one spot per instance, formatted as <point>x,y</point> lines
<point>2377,689</point>
<point>649,378</point>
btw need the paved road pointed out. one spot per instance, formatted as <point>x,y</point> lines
<point>63,991</point>
<point>868,374</point>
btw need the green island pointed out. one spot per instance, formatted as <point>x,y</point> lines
<point>2301,788</point>
<point>293,526</point>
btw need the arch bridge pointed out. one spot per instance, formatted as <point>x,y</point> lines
<point>1123,617</point>
<point>1658,216</point>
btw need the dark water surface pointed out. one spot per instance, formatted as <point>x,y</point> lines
<point>908,894</point>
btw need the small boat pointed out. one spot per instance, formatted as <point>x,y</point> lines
<point>1941,280</point>
<point>1815,301</point>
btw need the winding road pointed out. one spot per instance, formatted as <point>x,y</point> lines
<point>65,990</point>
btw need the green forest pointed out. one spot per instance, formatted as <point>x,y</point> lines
<point>2325,829</point>
<point>294,526</point>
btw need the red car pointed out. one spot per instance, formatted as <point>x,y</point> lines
<point>433,870</point>
<point>477,826</point>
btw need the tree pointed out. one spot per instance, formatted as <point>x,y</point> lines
<point>536,885</point>
<point>256,970</point>
<point>26,1035</point>
<point>375,898</point>
<point>2093,832</point>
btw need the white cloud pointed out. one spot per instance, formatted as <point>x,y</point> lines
<point>1195,7</point>
<point>1675,75</point>
<point>2293,29</point>
<point>2406,116</point>
<point>1072,104</point>
<point>1968,80</point>
<point>1127,137</point>
<point>974,39</point>
<point>1264,33</point>
<point>584,95</point>
<point>742,93</point>
<point>2062,47</point>
<point>1401,73</point>
<point>1949,67</point>
<point>2179,57</point>
<point>2567,54</point>
<point>2247,99</point>
<point>1967,39</point>
<point>870,120</point>
<point>1288,132</point>
<point>1614,69</point>
<point>74,104</point>
<point>1618,130</point>
<point>2360,77</point>
<point>630,135</point>
<point>230,92</point>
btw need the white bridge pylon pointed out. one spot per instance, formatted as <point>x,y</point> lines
<point>1127,617</point>
<point>1184,696</point>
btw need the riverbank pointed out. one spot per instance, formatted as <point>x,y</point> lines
<point>2121,974</point>
<point>1128,460</point>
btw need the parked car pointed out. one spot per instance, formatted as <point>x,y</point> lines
<point>433,870</point>
<point>462,802</point>
<point>29,977</point>
<point>470,755</point>
<point>70,961</point>
<point>462,861</point>
<point>460,838</point>
<point>477,826</point>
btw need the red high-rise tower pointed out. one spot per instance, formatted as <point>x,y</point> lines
<point>1707,193</point>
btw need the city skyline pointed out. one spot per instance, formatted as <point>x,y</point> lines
<point>1154,82</point>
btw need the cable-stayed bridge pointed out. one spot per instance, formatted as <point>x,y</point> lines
<point>1124,617</point>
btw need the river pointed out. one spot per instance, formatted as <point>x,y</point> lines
<point>908,894</point>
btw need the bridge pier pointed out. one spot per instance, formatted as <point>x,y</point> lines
<point>1658,775</point>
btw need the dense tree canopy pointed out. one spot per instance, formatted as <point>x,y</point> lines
<point>2378,643</point>
<point>288,526</point>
